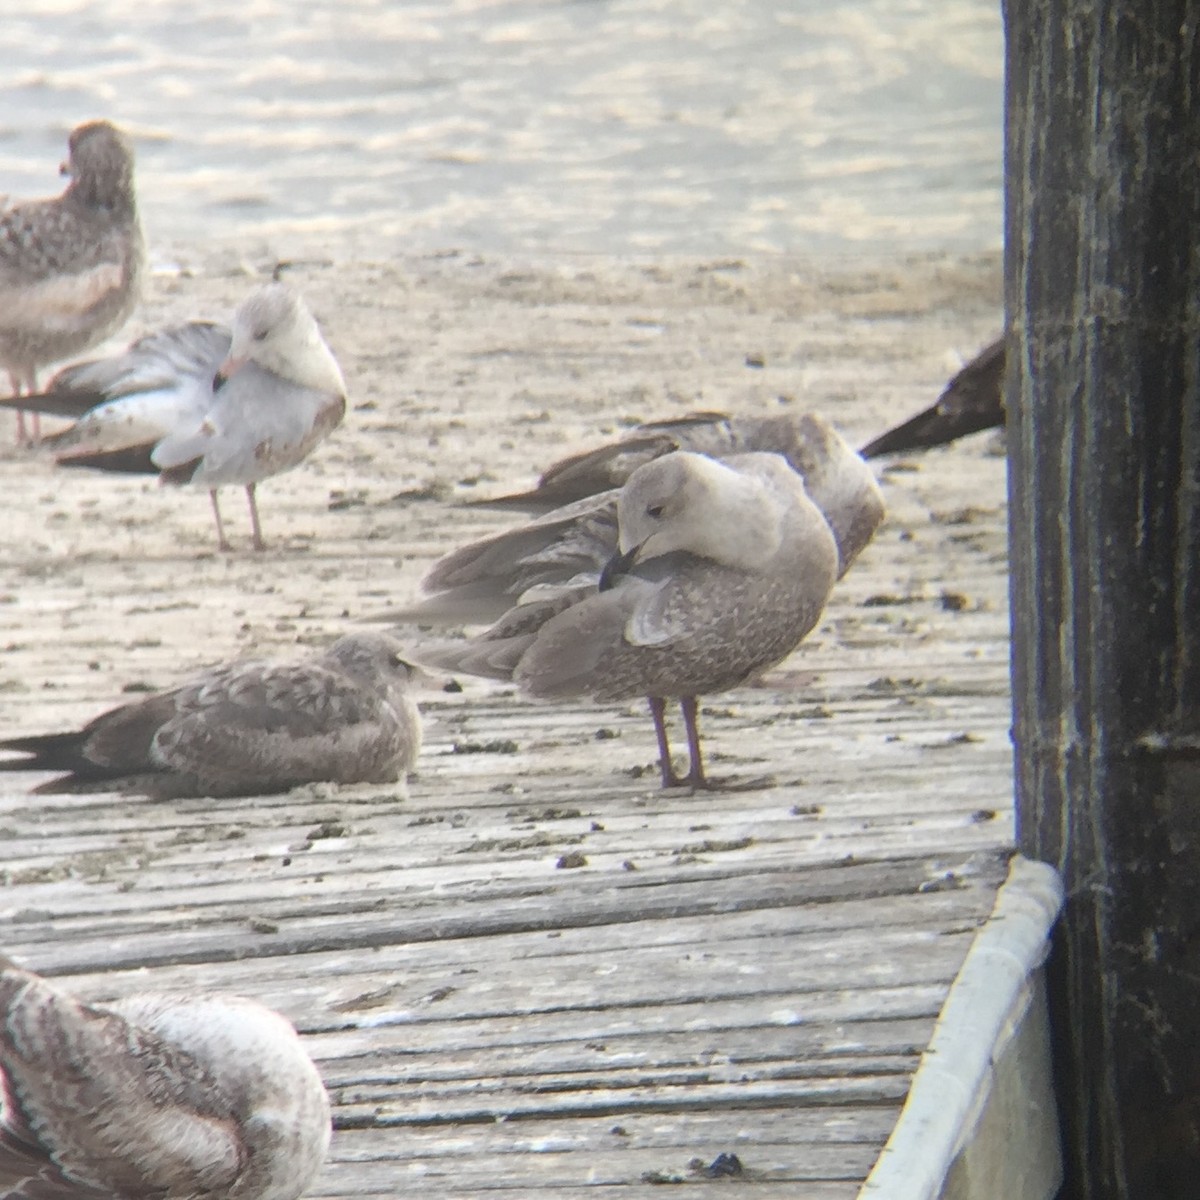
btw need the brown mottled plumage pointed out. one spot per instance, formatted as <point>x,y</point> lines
<point>718,569</point>
<point>807,441</point>
<point>484,579</point>
<point>153,1096</point>
<point>247,728</point>
<point>71,266</point>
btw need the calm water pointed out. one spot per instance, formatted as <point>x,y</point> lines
<point>697,126</point>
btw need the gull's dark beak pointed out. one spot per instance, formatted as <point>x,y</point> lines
<point>226,371</point>
<point>617,566</point>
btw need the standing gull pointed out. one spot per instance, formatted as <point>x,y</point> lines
<point>717,571</point>
<point>71,266</point>
<point>246,728</point>
<point>153,1096</point>
<point>199,404</point>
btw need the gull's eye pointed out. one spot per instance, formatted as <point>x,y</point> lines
<point>260,335</point>
<point>655,510</point>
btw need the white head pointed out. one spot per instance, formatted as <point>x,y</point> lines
<point>273,328</point>
<point>686,501</point>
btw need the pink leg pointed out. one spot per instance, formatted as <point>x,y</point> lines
<point>35,419</point>
<point>259,544</point>
<point>16,381</point>
<point>658,708</point>
<point>222,544</point>
<point>695,774</point>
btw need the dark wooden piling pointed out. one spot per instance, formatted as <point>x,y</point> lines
<point>1103,296</point>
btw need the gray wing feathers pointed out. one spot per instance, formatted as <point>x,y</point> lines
<point>552,554</point>
<point>495,653</point>
<point>138,397</point>
<point>155,361</point>
<point>256,426</point>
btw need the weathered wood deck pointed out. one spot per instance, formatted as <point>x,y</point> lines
<point>750,972</point>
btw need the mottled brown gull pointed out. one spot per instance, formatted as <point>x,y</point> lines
<point>247,728</point>
<point>199,404</point>
<point>718,570</point>
<point>163,1096</point>
<point>569,546</point>
<point>71,267</point>
<point>806,440</point>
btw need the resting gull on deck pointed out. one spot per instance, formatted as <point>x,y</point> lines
<point>153,1095</point>
<point>199,404</point>
<point>71,266</point>
<point>246,728</point>
<point>713,572</point>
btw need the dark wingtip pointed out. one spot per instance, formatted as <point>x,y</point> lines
<point>972,401</point>
<point>180,474</point>
<point>516,502</point>
<point>61,752</point>
<point>67,404</point>
<point>130,460</point>
<point>917,433</point>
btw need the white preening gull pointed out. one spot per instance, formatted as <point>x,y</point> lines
<point>716,571</point>
<point>199,404</point>
<point>161,1096</point>
<point>247,728</point>
<point>71,266</point>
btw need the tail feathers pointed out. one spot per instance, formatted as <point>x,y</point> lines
<point>50,752</point>
<point>158,784</point>
<point>181,473</point>
<point>973,401</point>
<point>129,460</point>
<point>77,774</point>
<point>67,754</point>
<point>54,404</point>
<point>532,501</point>
<point>933,427</point>
<point>464,606</point>
<point>487,659</point>
<point>922,432</point>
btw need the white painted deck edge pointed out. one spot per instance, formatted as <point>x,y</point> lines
<point>980,1118</point>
